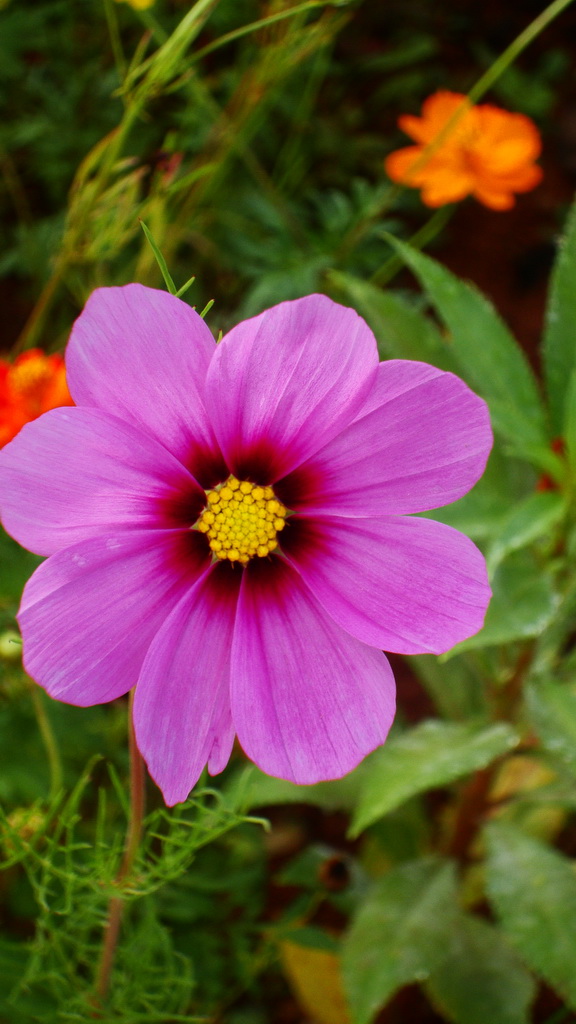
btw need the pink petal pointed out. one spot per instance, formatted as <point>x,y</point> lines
<point>421,441</point>
<point>143,355</point>
<point>308,700</point>
<point>223,741</point>
<point>182,699</point>
<point>90,612</point>
<point>76,472</point>
<point>284,383</point>
<point>411,586</point>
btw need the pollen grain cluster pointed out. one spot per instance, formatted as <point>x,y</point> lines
<point>241,520</point>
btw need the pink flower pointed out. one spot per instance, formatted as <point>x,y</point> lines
<point>228,530</point>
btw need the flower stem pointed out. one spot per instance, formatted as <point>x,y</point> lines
<point>49,740</point>
<point>35,322</point>
<point>115,39</point>
<point>256,26</point>
<point>419,240</point>
<point>503,62</point>
<point>470,814</point>
<point>485,82</point>
<point>475,801</point>
<point>133,835</point>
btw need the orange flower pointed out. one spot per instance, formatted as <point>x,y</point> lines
<point>487,153</point>
<point>29,386</point>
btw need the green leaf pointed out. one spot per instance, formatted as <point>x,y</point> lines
<point>312,938</point>
<point>162,67</point>
<point>404,834</point>
<point>523,604</point>
<point>552,711</point>
<point>16,566</point>
<point>526,522</point>
<point>399,935</point>
<point>402,331</point>
<point>487,355</point>
<point>430,755</point>
<point>163,266</point>
<point>20,1004</point>
<point>553,649</point>
<point>260,790</point>
<point>453,685</point>
<point>481,513</point>
<point>569,426</point>
<point>208,305</point>
<point>559,343</point>
<point>533,890</point>
<point>482,980</point>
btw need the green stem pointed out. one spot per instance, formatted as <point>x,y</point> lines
<point>49,740</point>
<point>470,813</point>
<point>133,836</point>
<point>419,240</point>
<point>115,40</point>
<point>503,62</point>
<point>15,188</point>
<point>35,322</point>
<point>254,26</point>
<point>153,26</point>
<point>485,82</point>
<point>137,795</point>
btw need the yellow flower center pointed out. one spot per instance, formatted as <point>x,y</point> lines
<point>242,520</point>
